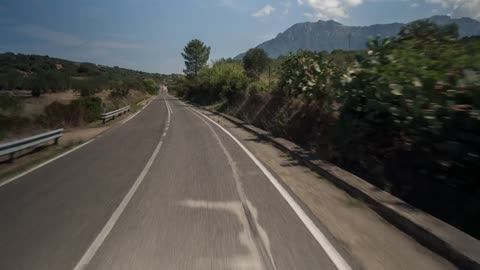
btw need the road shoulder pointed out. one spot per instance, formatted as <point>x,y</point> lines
<point>71,139</point>
<point>370,240</point>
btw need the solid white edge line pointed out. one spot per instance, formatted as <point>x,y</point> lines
<point>107,228</point>
<point>131,117</point>
<point>169,108</point>
<point>43,164</point>
<point>59,156</point>
<point>322,240</point>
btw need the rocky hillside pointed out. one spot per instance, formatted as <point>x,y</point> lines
<point>331,35</point>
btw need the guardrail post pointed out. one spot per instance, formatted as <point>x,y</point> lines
<point>12,157</point>
<point>103,121</point>
<point>56,141</point>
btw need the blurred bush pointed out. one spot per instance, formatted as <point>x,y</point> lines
<point>306,74</point>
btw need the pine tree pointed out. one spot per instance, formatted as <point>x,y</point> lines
<point>196,55</point>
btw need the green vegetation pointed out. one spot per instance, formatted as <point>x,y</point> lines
<point>307,75</point>
<point>255,62</point>
<point>405,115</point>
<point>225,80</point>
<point>196,55</point>
<point>42,74</point>
<point>90,108</point>
<point>100,88</point>
<point>78,112</point>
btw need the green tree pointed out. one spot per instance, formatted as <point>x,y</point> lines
<point>255,62</point>
<point>196,55</point>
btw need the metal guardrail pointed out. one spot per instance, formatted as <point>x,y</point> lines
<point>14,147</point>
<point>111,115</point>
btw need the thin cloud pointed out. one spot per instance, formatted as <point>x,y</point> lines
<point>329,9</point>
<point>265,11</point>
<point>308,15</point>
<point>468,9</point>
<point>460,8</point>
<point>287,5</point>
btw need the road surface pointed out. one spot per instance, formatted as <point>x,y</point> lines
<point>168,189</point>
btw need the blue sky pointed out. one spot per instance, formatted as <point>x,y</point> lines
<point>149,35</point>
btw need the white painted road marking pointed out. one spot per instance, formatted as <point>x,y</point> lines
<point>263,242</point>
<point>169,108</point>
<point>43,164</point>
<point>322,240</point>
<point>131,117</point>
<point>97,243</point>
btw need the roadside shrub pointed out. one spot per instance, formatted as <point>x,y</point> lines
<point>58,115</point>
<point>225,79</point>
<point>266,83</point>
<point>91,107</point>
<point>119,89</point>
<point>306,74</point>
<point>422,83</point>
<point>82,110</point>
<point>410,115</point>
<point>258,87</point>
<point>151,86</point>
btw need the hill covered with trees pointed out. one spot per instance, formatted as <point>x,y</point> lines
<point>41,92</point>
<point>43,73</point>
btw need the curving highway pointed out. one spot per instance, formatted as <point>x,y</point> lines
<point>168,189</point>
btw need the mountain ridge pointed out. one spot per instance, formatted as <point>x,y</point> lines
<point>331,35</point>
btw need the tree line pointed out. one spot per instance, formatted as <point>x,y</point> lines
<point>41,74</point>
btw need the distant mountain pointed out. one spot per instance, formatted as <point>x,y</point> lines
<point>331,35</point>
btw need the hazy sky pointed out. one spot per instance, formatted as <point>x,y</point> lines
<point>150,34</point>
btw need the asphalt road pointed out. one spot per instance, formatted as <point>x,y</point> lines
<point>168,189</point>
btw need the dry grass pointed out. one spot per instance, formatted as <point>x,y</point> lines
<point>34,106</point>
